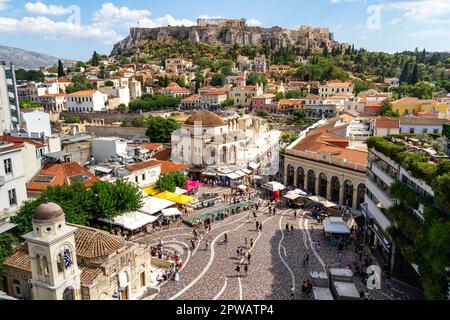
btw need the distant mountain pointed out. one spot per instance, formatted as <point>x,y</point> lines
<point>26,59</point>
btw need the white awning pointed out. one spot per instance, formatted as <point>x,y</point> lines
<point>253,165</point>
<point>274,186</point>
<point>242,187</point>
<point>153,205</point>
<point>180,191</point>
<point>322,201</point>
<point>171,212</point>
<point>246,171</point>
<point>240,173</point>
<point>103,169</point>
<point>292,196</point>
<point>132,220</point>
<point>335,225</point>
<point>300,192</point>
<point>233,176</point>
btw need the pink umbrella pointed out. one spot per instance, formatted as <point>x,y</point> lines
<point>192,185</point>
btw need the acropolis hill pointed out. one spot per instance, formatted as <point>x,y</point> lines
<point>229,32</point>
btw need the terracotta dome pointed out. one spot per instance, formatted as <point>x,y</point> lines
<point>207,118</point>
<point>48,213</point>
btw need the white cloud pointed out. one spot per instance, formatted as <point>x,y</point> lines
<point>56,29</point>
<point>422,11</point>
<point>432,33</point>
<point>166,20</point>
<point>254,23</point>
<point>3,4</point>
<point>110,16</point>
<point>47,10</point>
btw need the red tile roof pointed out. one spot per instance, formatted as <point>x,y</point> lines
<point>83,93</point>
<point>151,146</point>
<point>164,154</point>
<point>142,165</point>
<point>62,173</point>
<point>21,140</point>
<point>386,122</point>
<point>322,140</point>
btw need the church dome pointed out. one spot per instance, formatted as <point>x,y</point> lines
<point>48,213</point>
<point>207,118</point>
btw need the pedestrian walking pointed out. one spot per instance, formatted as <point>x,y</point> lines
<point>246,242</point>
<point>292,227</point>
<point>225,240</point>
<point>366,295</point>
<point>249,256</point>
<point>274,210</point>
<point>238,253</point>
<point>287,226</point>
<point>310,287</point>
<point>246,270</point>
<point>238,270</point>
<point>270,210</point>
<point>313,245</point>
<point>304,288</point>
<point>260,227</point>
<point>193,244</point>
<point>307,259</point>
<point>257,224</point>
<point>251,243</point>
<point>292,292</point>
<point>206,245</point>
<point>318,246</point>
<point>295,214</point>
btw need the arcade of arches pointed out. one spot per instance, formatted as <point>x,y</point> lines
<point>336,187</point>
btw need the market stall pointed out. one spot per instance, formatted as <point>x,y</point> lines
<point>132,221</point>
<point>152,205</point>
<point>335,227</point>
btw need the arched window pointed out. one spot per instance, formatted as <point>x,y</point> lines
<point>300,178</point>
<point>69,294</point>
<point>348,193</point>
<point>311,182</point>
<point>323,181</point>
<point>290,175</point>
<point>17,289</point>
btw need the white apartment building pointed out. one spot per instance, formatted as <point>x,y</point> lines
<point>9,99</point>
<point>144,174</point>
<point>122,93</point>
<point>135,89</point>
<point>86,101</point>
<point>334,87</point>
<point>421,125</point>
<point>36,122</point>
<point>214,98</point>
<point>54,103</point>
<point>103,149</point>
<point>12,182</point>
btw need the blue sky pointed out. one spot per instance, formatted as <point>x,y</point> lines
<point>74,29</point>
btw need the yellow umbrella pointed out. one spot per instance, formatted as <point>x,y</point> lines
<point>182,199</point>
<point>166,195</point>
<point>151,191</point>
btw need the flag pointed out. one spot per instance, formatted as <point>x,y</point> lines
<point>67,258</point>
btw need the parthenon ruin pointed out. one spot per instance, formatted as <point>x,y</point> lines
<point>222,22</point>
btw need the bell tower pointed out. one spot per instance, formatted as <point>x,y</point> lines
<point>51,246</point>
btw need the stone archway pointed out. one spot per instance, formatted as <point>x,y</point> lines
<point>311,182</point>
<point>290,175</point>
<point>361,191</point>
<point>323,182</point>
<point>224,154</point>
<point>348,193</point>
<point>335,186</point>
<point>68,294</point>
<point>300,178</point>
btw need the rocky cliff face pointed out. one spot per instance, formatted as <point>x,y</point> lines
<point>243,36</point>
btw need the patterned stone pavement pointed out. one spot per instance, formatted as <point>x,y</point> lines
<point>276,261</point>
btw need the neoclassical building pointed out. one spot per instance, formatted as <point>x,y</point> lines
<point>322,163</point>
<point>207,139</point>
<point>60,261</point>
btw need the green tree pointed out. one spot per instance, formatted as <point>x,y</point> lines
<point>61,72</point>
<point>414,75</point>
<point>109,83</point>
<point>256,78</point>
<point>72,119</point>
<point>404,76</point>
<point>299,114</point>
<point>122,108</point>
<point>262,113</point>
<point>280,95</point>
<point>95,59</point>
<point>169,182</point>
<point>7,242</point>
<point>218,80</point>
<point>227,103</point>
<point>160,129</point>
